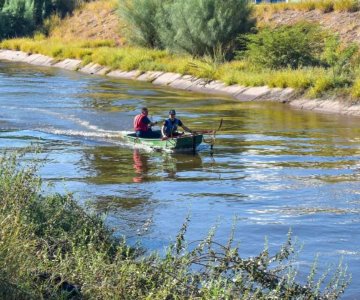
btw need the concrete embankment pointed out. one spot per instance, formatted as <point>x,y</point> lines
<point>189,83</point>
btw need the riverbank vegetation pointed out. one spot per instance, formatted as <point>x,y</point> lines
<point>50,247</point>
<point>302,56</point>
<point>23,17</point>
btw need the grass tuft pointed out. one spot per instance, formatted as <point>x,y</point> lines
<point>325,6</point>
<point>355,91</point>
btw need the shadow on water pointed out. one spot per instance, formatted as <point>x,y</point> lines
<point>114,165</point>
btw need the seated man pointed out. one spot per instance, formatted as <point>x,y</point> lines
<point>142,124</point>
<point>170,125</point>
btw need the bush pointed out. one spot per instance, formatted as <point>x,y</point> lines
<point>140,16</point>
<point>339,57</point>
<point>16,18</point>
<point>201,27</point>
<point>22,17</point>
<point>295,46</point>
<point>197,27</point>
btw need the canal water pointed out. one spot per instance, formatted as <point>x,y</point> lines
<point>272,169</point>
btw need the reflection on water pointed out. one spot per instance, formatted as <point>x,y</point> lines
<point>140,166</point>
<point>273,168</point>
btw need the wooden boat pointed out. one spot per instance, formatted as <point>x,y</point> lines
<point>185,142</point>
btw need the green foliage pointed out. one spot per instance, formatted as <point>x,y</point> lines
<point>22,17</point>
<point>322,84</point>
<point>199,27</point>
<point>140,15</point>
<point>51,248</point>
<point>286,46</point>
<point>16,18</point>
<point>339,58</point>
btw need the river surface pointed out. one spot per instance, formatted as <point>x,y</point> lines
<point>272,169</point>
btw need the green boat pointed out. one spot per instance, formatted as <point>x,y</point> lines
<point>185,142</point>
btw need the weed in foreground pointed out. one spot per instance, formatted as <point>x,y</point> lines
<point>50,247</point>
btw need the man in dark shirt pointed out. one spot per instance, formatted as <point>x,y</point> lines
<point>169,128</point>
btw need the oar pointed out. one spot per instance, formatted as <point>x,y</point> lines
<point>211,131</point>
<point>211,141</point>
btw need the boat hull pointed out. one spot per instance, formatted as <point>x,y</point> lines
<point>181,143</point>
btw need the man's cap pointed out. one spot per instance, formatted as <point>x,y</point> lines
<point>172,112</point>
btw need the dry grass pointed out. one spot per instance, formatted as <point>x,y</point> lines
<point>93,20</point>
<point>267,10</point>
<point>355,91</point>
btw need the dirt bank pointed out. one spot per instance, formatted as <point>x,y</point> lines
<point>346,24</point>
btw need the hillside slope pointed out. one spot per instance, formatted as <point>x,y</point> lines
<point>100,20</point>
<point>347,24</point>
<point>96,20</point>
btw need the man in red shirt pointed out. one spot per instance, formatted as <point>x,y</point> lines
<point>142,124</point>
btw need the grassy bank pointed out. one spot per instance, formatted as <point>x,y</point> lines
<point>320,74</point>
<point>51,247</point>
<point>130,58</point>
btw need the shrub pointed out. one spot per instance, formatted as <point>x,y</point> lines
<point>16,18</point>
<point>22,17</point>
<point>201,27</point>
<point>142,28</point>
<point>294,46</point>
<point>339,57</point>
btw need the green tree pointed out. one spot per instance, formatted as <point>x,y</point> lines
<point>16,18</point>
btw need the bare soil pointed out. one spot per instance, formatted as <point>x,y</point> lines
<point>346,24</point>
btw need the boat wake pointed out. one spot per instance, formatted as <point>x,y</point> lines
<point>100,135</point>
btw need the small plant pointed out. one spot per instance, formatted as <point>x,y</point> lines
<point>305,5</point>
<point>322,84</point>
<point>325,6</point>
